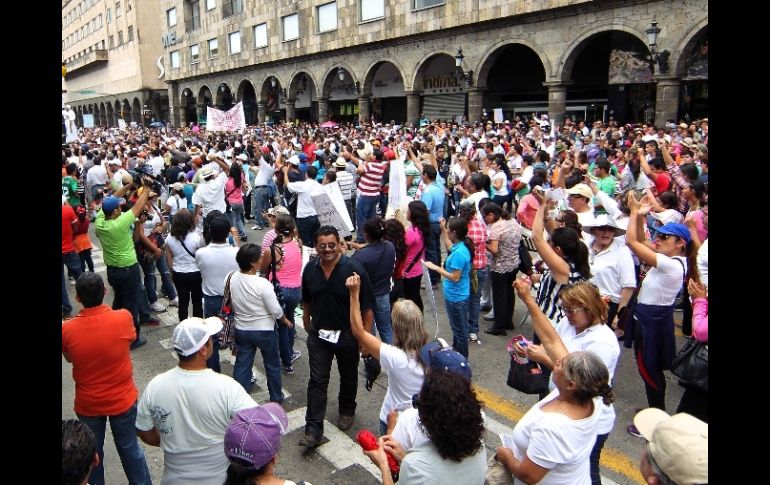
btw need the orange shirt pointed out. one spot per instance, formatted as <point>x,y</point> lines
<point>97,343</point>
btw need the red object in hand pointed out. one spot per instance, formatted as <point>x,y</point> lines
<point>368,441</point>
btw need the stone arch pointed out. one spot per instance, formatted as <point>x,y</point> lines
<point>110,113</point>
<point>371,70</point>
<point>97,115</point>
<point>296,82</point>
<point>688,43</point>
<point>224,95</point>
<point>416,78</point>
<point>565,65</point>
<point>328,77</point>
<point>248,95</point>
<point>117,111</point>
<point>491,55</point>
<point>125,109</point>
<point>267,87</point>
<point>136,111</point>
<point>79,116</point>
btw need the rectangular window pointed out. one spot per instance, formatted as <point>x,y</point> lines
<point>213,48</point>
<point>260,35</point>
<point>235,42</point>
<point>372,9</point>
<point>231,7</point>
<point>109,15</point>
<point>112,42</point>
<point>174,59</point>
<point>99,21</point>
<point>418,4</point>
<point>194,54</point>
<point>120,38</point>
<point>211,4</point>
<point>290,27</point>
<point>327,17</point>
<point>194,22</point>
<point>118,10</point>
<point>171,17</point>
<point>88,29</point>
<point>130,33</point>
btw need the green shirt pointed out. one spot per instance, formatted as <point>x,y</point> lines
<point>117,239</point>
<point>606,185</point>
<point>69,188</point>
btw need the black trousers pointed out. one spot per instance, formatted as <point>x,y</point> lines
<point>307,227</point>
<point>189,287</point>
<point>695,402</point>
<point>503,299</point>
<point>320,354</point>
<point>412,290</point>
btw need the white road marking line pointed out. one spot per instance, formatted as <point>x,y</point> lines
<point>166,344</point>
<point>262,395</point>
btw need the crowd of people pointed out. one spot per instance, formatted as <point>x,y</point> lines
<point>606,226</point>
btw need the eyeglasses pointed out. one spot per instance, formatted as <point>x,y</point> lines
<point>663,237</point>
<point>327,246</point>
<point>571,311</point>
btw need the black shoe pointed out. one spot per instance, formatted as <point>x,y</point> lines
<point>138,342</point>
<point>493,331</point>
<point>152,321</point>
<point>309,441</point>
<point>345,422</point>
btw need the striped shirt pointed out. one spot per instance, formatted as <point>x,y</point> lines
<point>346,182</point>
<point>548,295</point>
<point>370,183</point>
<point>478,234</point>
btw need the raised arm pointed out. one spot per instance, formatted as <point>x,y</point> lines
<point>635,239</point>
<point>368,342</point>
<point>544,329</point>
<point>559,268</point>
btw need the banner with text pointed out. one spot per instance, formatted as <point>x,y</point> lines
<point>331,209</point>
<point>397,198</point>
<point>231,120</point>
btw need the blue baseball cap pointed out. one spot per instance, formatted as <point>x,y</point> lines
<point>675,229</point>
<point>302,157</point>
<point>110,203</point>
<point>439,355</point>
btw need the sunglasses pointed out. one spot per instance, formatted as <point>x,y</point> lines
<point>663,237</point>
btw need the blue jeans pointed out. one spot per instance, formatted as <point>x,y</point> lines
<point>72,261</point>
<point>151,283</point>
<point>124,434</point>
<point>248,342</point>
<point>260,202</point>
<point>433,250</point>
<point>211,307</point>
<point>366,208</point>
<point>474,303</point>
<point>128,291</point>
<point>235,216</point>
<point>382,318</point>
<point>457,313</point>
<point>291,297</point>
<point>596,478</point>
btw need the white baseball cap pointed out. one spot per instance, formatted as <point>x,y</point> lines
<point>193,333</point>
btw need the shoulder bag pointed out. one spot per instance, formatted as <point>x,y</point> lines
<point>691,363</point>
<point>497,473</point>
<point>226,313</point>
<point>228,208</point>
<point>527,377</point>
<point>276,284</point>
<point>416,258</point>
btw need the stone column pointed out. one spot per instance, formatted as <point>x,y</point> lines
<point>364,108</point>
<point>261,107</point>
<point>475,103</point>
<point>412,107</point>
<point>666,100</point>
<point>557,101</point>
<point>200,110</point>
<point>323,110</point>
<point>290,114</point>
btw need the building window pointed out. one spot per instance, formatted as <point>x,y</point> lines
<point>109,15</point>
<point>194,54</point>
<point>235,42</point>
<point>372,9</point>
<point>87,29</point>
<point>260,35</point>
<point>290,27</point>
<point>418,4</point>
<point>130,33</point>
<point>99,21</point>
<point>120,38</point>
<point>327,17</point>
<point>174,59</point>
<point>211,4</point>
<point>112,42</point>
<point>128,6</point>
<point>119,10</point>
<point>171,17</point>
<point>232,7</point>
<point>193,21</point>
<point>213,48</point>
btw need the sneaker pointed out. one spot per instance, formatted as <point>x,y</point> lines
<point>256,227</point>
<point>287,370</point>
<point>490,316</point>
<point>345,422</point>
<point>152,321</point>
<point>158,307</point>
<point>72,281</point>
<point>473,338</point>
<point>309,441</point>
<point>633,431</point>
<point>138,342</point>
<point>295,355</point>
<point>253,376</point>
<point>243,238</point>
<point>174,302</point>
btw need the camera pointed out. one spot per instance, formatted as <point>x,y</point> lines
<point>142,176</point>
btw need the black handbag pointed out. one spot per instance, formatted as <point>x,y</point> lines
<point>226,313</point>
<point>691,364</point>
<point>276,284</point>
<point>527,378</point>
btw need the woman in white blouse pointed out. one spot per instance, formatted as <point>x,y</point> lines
<point>181,246</point>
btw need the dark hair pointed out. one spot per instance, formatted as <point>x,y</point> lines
<point>327,231</point>
<point>528,159</point>
<point>477,180</point>
<point>689,171</point>
<point>459,226</point>
<point>500,162</point>
<point>78,447</point>
<point>535,181</point>
<point>182,224</point>
<point>373,229</point>
<point>699,188</point>
<point>241,473</point>
<point>450,414</point>
<point>573,180</point>
<point>570,219</point>
<point>89,288</point>
<point>219,228</point>
<point>312,172</point>
<point>430,172</point>
<point>493,208</point>
<point>396,234</point>
<point>568,240</point>
<point>331,175</point>
<point>247,255</point>
<point>236,174</point>
<point>284,226</point>
<point>603,164</point>
<point>668,199</point>
<point>72,168</point>
<point>418,216</point>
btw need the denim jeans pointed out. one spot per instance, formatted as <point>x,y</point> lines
<point>151,283</point>
<point>235,216</point>
<point>596,478</point>
<point>474,303</point>
<point>266,341</point>
<point>123,428</point>
<point>366,208</point>
<point>128,291</point>
<point>307,227</point>
<point>260,202</point>
<point>433,251</point>
<point>383,325</point>
<point>291,297</point>
<point>72,261</point>
<point>86,261</point>
<point>457,313</point>
<point>211,307</point>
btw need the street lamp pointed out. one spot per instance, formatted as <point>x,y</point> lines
<point>467,75</point>
<point>341,73</point>
<point>659,58</point>
<point>273,81</point>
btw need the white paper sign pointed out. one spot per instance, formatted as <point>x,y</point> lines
<point>331,209</point>
<point>88,121</point>
<point>498,115</point>
<point>121,124</point>
<point>231,120</point>
<point>397,187</point>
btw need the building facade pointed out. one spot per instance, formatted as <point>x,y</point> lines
<point>111,50</point>
<point>396,59</point>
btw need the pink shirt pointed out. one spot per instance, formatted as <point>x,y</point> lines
<point>700,319</point>
<point>699,227</point>
<point>414,246</point>
<point>289,270</point>
<point>234,195</point>
<point>525,214</point>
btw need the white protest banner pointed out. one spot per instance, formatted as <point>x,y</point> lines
<point>498,115</point>
<point>231,120</point>
<point>121,124</point>
<point>331,209</point>
<point>88,121</point>
<point>397,187</point>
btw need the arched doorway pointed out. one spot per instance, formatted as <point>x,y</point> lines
<point>513,75</point>
<point>141,115</point>
<point>442,87</point>
<point>693,68</point>
<point>224,97</point>
<point>102,115</point>
<point>272,95</point>
<point>126,111</point>
<point>385,83</point>
<point>342,90</point>
<point>110,114</point>
<point>117,112</point>
<point>303,91</point>
<point>248,96</point>
<point>204,100</point>
<point>97,115</point>
<point>187,112</point>
<point>611,78</point>
<point>79,116</point>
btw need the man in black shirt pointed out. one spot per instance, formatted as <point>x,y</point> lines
<point>326,318</point>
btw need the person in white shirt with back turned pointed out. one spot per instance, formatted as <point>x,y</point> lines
<point>307,217</point>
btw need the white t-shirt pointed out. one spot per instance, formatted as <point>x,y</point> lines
<point>210,195</point>
<point>254,302</point>
<point>612,269</point>
<point>703,263</point>
<point>265,173</point>
<point>663,282</point>
<point>157,164</point>
<point>176,202</point>
<point>503,190</point>
<point>527,174</point>
<point>667,216</point>
<point>405,376</point>
<point>601,340</point>
<point>305,206</point>
<point>215,261</point>
<point>191,410</point>
<point>424,465</point>
<point>557,442</point>
<point>97,175</point>
<point>183,262</point>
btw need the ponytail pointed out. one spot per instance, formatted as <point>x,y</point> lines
<point>607,394</point>
<point>573,248</point>
<point>471,247</point>
<point>581,260</point>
